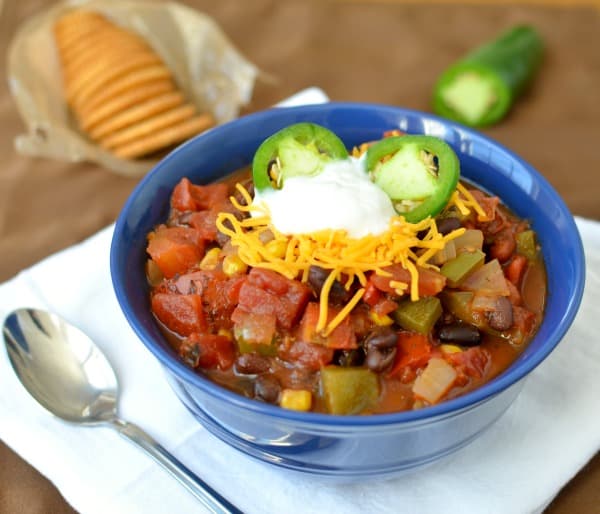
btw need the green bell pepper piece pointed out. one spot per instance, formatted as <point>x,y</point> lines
<point>479,89</point>
<point>348,390</point>
<point>459,268</point>
<point>419,173</point>
<point>300,149</point>
<point>266,350</point>
<point>526,244</point>
<point>419,316</point>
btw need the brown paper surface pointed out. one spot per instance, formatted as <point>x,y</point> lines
<point>382,51</point>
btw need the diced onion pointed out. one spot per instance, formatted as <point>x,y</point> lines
<point>488,280</point>
<point>435,381</point>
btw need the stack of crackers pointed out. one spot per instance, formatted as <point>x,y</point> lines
<point>119,89</point>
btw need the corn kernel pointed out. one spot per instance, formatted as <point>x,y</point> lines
<point>382,320</point>
<point>210,259</point>
<point>450,348</point>
<point>233,265</point>
<point>296,399</point>
<point>277,248</point>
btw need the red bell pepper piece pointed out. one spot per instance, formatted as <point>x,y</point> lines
<point>414,351</point>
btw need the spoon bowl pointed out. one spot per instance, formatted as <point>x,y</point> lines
<point>69,376</point>
<point>61,367</point>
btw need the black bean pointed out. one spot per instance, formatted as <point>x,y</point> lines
<point>316,278</point>
<point>337,294</point>
<point>447,225</point>
<point>267,388</point>
<point>382,339</point>
<point>348,358</point>
<point>502,317</point>
<point>460,333</point>
<point>251,364</point>
<point>378,360</point>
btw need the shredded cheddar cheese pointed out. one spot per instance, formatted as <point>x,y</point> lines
<point>260,244</point>
<point>464,202</point>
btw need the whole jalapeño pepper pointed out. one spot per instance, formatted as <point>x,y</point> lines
<point>419,173</point>
<point>480,88</point>
<point>300,149</point>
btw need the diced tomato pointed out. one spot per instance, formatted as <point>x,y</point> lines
<point>431,282</point>
<point>208,351</point>
<point>414,351</point>
<point>515,268</point>
<point>372,295</point>
<point>471,362</point>
<point>220,296</point>
<point>205,221</point>
<point>219,292</point>
<point>342,337</point>
<point>182,314</point>
<point>268,292</point>
<point>384,307</point>
<point>189,197</point>
<point>307,355</point>
<point>255,328</point>
<point>175,249</point>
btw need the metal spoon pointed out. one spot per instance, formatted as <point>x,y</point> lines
<point>66,372</point>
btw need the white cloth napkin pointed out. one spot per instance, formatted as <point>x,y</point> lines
<point>517,466</point>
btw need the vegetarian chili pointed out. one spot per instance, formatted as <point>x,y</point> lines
<point>461,298</point>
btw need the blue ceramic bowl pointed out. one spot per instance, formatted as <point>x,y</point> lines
<point>351,447</point>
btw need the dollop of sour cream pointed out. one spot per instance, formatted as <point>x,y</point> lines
<point>342,196</point>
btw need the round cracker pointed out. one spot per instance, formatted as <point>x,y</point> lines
<point>139,94</point>
<point>75,75</point>
<point>76,16</point>
<point>93,48</point>
<point>122,85</point>
<point>138,112</point>
<point>101,68</point>
<point>131,64</point>
<point>66,36</point>
<point>165,138</point>
<point>148,126</point>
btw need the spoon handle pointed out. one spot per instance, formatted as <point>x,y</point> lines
<point>210,498</point>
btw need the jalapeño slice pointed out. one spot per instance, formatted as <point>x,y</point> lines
<point>300,149</point>
<point>419,173</point>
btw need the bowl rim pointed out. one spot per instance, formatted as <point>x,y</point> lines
<point>448,408</point>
